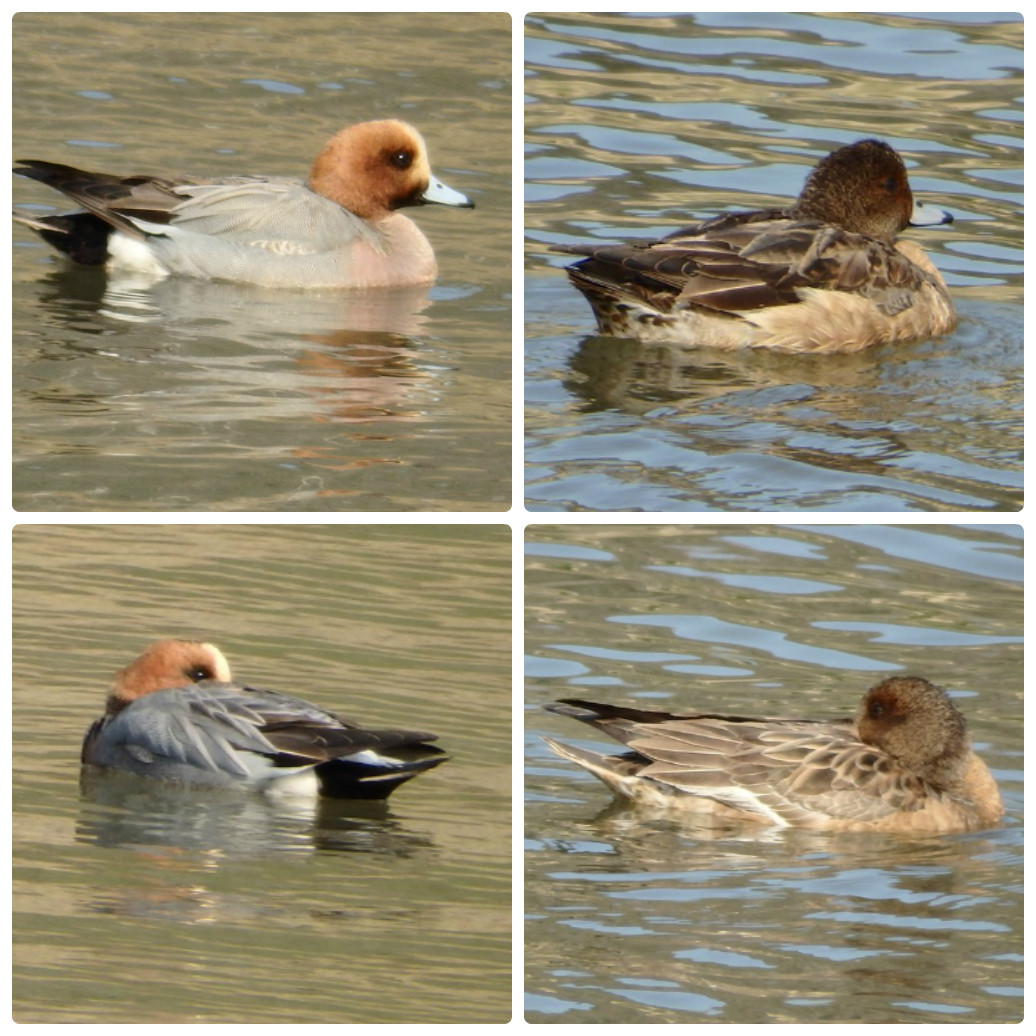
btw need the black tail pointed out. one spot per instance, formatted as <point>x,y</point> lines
<point>375,775</point>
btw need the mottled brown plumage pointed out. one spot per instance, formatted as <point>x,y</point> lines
<point>824,275</point>
<point>903,763</point>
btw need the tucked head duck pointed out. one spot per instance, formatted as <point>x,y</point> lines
<point>903,764</point>
<point>825,275</point>
<point>339,229</point>
<point>175,714</point>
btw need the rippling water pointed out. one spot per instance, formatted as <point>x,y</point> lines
<point>211,396</point>
<point>637,919</point>
<point>638,124</point>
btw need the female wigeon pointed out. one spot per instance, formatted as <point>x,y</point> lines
<point>904,763</point>
<point>339,229</point>
<point>825,275</point>
<point>175,714</point>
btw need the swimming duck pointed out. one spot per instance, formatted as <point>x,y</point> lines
<point>338,229</point>
<point>904,763</point>
<point>175,713</point>
<point>825,275</point>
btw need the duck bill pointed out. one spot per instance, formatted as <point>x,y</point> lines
<point>928,216</point>
<point>439,194</point>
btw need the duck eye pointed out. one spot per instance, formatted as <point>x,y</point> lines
<point>876,711</point>
<point>401,159</point>
<point>198,673</point>
<point>890,185</point>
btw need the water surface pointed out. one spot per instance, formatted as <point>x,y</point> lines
<point>138,902</point>
<point>634,918</point>
<point>639,124</point>
<point>208,396</point>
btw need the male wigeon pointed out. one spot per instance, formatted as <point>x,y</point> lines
<point>176,714</point>
<point>338,229</point>
<point>904,763</point>
<point>825,275</point>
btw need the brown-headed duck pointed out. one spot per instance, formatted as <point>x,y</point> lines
<point>338,229</point>
<point>175,714</point>
<point>825,275</point>
<point>904,763</point>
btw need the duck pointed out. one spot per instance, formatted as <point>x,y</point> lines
<point>340,228</point>
<point>176,714</point>
<point>903,763</point>
<point>825,275</point>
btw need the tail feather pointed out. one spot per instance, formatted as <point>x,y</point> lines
<point>82,236</point>
<point>371,775</point>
